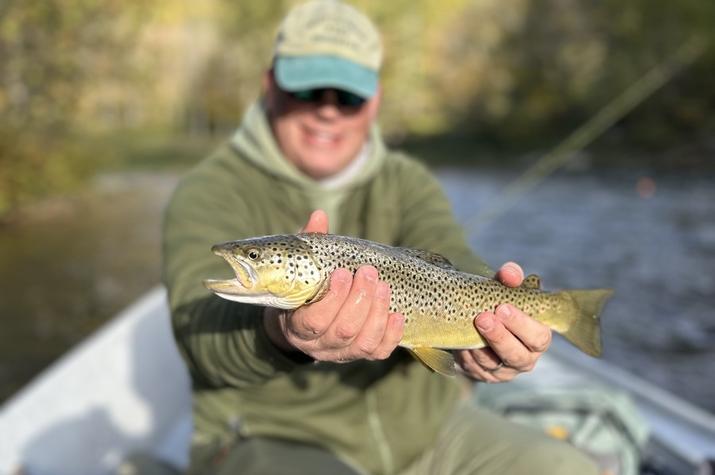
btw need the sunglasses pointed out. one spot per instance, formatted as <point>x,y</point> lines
<point>314,96</point>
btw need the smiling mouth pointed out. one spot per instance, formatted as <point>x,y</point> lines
<point>318,137</point>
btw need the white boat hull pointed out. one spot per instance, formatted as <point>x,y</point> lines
<point>125,389</point>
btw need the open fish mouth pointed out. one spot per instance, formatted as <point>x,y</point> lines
<point>244,282</point>
<point>228,286</point>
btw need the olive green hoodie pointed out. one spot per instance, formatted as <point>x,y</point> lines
<point>375,416</point>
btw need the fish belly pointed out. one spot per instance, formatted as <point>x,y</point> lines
<point>428,331</point>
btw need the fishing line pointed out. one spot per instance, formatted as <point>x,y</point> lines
<point>587,133</point>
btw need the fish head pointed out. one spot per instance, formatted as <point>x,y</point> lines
<point>276,271</point>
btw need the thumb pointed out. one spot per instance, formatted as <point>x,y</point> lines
<point>317,223</point>
<point>510,274</point>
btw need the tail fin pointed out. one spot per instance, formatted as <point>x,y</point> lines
<point>584,330</point>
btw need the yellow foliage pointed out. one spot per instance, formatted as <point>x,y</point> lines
<point>466,65</point>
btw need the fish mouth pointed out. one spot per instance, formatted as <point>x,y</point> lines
<point>244,282</point>
<point>228,286</point>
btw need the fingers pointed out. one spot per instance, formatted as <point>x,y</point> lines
<point>392,336</point>
<point>486,359</point>
<point>484,365</point>
<point>373,331</point>
<point>317,223</point>
<point>516,341</point>
<point>354,311</point>
<point>510,350</point>
<point>510,274</point>
<point>532,334</point>
<point>312,321</point>
<point>351,322</point>
<point>382,330</point>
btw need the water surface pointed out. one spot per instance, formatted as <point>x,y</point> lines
<point>65,273</point>
<point>72,266</point>
<point>650,237</point>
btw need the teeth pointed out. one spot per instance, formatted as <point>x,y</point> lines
<point>322,137</point>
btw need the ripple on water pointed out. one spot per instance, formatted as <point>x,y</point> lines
<point>658,252</point>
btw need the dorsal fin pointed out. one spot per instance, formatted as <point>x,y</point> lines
<point>532,281</point>
<point>432,257</point>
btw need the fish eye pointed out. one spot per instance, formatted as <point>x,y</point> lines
<point>253,254</point>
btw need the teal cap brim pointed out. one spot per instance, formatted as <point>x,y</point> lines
<point>296,73</point>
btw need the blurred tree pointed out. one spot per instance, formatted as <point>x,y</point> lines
<point>527,73</point>
<point>565,59</point>
<point>524,72</point>
<point>642,32</point>
<point>50,51</point>
<point>231,78</point>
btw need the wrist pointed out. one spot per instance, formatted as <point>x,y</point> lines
<point>272,325</point>
<point>274,331</point>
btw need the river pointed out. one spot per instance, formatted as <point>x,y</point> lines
<point>650,236</point>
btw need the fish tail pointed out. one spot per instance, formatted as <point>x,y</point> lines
<point>583,329</point>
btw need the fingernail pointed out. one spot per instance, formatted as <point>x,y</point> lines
<point>341,276</point>
<point>513,266</point>
<point>503,310</point>
<point>513,269</point>
<point>485,323</point>
<point>369,272</point>
<point>399,320</point>
<point>382,290</point>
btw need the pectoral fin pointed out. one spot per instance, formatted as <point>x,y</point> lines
<point>440,361</point>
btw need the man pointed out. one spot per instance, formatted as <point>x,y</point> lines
<point>324,389</point>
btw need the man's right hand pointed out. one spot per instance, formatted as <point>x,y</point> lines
<point>352,321</point>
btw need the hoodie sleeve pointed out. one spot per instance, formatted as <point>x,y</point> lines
<point>427,220</point>
<point>224,343</point>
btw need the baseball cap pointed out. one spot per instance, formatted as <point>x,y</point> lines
<point>327,43</point>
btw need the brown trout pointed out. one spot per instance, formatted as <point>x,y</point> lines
<point>439,302</point>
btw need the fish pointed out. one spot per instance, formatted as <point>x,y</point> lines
<point>439,302</point>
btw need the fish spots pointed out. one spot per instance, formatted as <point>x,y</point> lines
<point>437,300</point>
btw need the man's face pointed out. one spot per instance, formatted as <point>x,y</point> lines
<point>319,137</point>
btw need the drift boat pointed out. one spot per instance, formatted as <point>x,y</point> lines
<point>125,390</point>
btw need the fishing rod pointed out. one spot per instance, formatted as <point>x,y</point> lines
<point>583,136</point>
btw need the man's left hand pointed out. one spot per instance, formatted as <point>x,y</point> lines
<point>516,341</point>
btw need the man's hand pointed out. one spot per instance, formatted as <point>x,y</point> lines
<point>516,341</point>
<point>352,321</point>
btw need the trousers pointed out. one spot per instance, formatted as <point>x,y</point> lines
<point>472,442</point>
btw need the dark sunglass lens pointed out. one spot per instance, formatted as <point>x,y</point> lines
<point>349,99</point>
<point>307,95</point>
<point>345,98</point>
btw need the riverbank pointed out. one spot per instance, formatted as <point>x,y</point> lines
<point>162,151</point>
<point>609,152</point>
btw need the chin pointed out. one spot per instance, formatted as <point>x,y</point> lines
<point>319,173</point>
<point>324,166</point>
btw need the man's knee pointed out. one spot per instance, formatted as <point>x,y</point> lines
<point>554,458</point>
<point>265,455</point>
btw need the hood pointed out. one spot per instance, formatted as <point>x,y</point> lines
<point>255,142</point>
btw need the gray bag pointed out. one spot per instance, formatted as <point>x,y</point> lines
<point>602,422</point>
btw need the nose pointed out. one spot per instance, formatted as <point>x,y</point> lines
<point>328,105</point>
